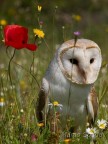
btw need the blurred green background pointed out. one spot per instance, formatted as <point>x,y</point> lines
<point>56,14</point>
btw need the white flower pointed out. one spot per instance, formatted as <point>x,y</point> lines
<point>25,134</point>
<point>102,124</point>
<point>2,94</point>
<point>55,104</point>
<point>12,87</point>
<point>104,105</point>
<point>91,131</point>
<point>5,89</point>
<point>2,103</point>
<point>21,110</point>
<point>2,66</point>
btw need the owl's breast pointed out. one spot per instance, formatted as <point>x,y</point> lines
<point>73,101</point>
<point>71,96</point>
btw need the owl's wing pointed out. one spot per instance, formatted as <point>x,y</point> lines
<point>92,106</point>
<point>42,98</point>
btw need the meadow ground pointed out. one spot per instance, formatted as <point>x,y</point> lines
<point>18,123</point>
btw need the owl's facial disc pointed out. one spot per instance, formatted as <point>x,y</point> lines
<point>80,64</point>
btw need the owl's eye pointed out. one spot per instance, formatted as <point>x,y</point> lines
<point>74,61</point>
<point>91,60</point>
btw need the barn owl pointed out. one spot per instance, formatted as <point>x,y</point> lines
<point>69,80</point>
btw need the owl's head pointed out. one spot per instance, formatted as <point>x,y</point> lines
<point>80,63</point>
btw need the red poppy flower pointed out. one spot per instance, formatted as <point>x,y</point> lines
<point>17,37</point>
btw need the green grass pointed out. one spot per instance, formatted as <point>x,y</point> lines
<point>18,123</point>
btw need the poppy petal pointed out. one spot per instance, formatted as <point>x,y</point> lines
<point>31,47</point>
<point>14,44</point>
<point>17,37</point>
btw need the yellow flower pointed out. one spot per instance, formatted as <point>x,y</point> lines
<point>67,140</point>
<point>2,103</point>
<point>2,100</point>
<point>39,8</point>
<point>23,84</point>
<point>3,22</point>
<point>40,124</point>
<point>55,103</point>
<point>39,33</point>
<point>77,17</point>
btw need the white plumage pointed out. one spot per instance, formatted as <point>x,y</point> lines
<point>69,80</point>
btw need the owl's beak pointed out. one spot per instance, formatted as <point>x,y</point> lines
<point>84,75</point>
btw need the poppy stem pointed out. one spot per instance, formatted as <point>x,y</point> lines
<point>32,71</point>
<point>22,68</point>
<point>7,50</point>
<point>32,64</point>
<point>9,66</point>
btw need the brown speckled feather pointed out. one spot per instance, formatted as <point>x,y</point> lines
<point>94,100</point>
<point>42,98</point>
<point>40,105</point>
<point>92,106</point>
